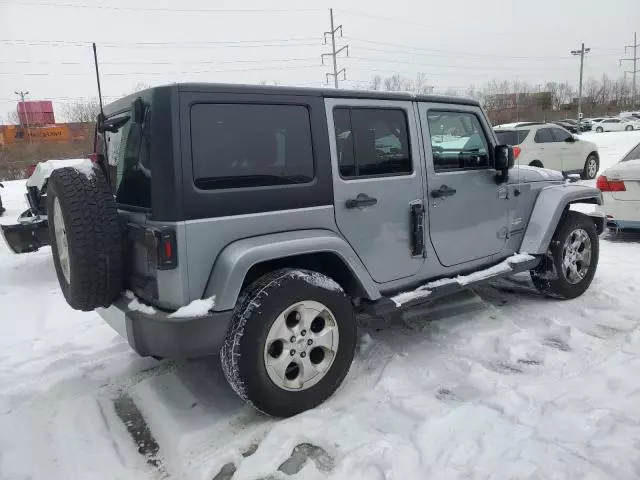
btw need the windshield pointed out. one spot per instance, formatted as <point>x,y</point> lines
<point>128,160</point>
<point>633,154</point>
<point>511,137</point>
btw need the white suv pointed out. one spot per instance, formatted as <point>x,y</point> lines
<point>550,146</point>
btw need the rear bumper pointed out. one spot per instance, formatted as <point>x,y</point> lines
<point>623,224</point>
<point>159,335</point>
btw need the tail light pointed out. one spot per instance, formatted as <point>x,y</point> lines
<point>516,152</point>
<point>93,157</point>
<point>606,185</point>
<point>30,170</point>
<point>167,252</point>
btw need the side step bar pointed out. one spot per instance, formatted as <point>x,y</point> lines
<point>380,313</point>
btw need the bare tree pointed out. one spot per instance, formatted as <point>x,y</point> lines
<point>13,118</point>
<point>81,111</point>
<point>376,83</point>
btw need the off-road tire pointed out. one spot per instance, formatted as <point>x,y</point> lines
<point>585,171</point>
<point>242,354</point>
<point>94,236</point>
<point>548,277</point>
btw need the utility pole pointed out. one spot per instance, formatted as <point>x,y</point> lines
<point>580,52</point>
<point>635,66</point>
<point>22,94</point>
<point>334,53</point>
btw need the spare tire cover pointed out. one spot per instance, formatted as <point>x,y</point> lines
<point>86,237</point>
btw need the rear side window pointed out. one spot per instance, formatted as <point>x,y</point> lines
<point>372,142</point>
<point>128,159</point>
<point>511,137</point>
<point>543,136</point>
<point>238,146</point>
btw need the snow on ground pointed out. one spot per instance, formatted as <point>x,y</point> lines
<point>501,384</point>
<point>612,146</point>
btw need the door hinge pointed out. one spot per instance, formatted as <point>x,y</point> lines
<point>417,228</point>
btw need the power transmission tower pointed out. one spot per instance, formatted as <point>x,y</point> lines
<point>334,53</point>
<point>22,94</point>
<point>580,52</point>
<point>635,68</point>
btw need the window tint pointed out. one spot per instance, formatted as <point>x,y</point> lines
<point>633,154</point>
<point>457,141</point>
<point>543,136</point>
<point>235,146</point>
<point>372,141</point>
<point>560,135</point>
<point>511,137</point>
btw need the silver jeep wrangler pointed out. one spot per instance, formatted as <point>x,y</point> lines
<point>266,223</point>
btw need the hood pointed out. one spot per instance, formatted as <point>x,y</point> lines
<point>43,170</point>
<point>526,174</point>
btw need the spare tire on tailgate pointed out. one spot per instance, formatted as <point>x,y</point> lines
<point>86,237</point>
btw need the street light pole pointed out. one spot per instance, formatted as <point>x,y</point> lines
<point>580,52</point>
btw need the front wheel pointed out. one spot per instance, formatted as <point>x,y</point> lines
<point>628,128</point>
<point>568,268</point>
<point>290,343</point>
<point>599,130</point>
<point>590,167</point>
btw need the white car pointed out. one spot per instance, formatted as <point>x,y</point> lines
<point>550,146</point>
<point>615,125</point>
<point>620,186</point>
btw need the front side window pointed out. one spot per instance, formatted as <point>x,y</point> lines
<point>458,141</point>
<point>238,146</point>
<point>372,142</point>
<point>560,135</point>
<point>543,136</point>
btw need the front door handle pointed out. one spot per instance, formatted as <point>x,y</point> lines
<point>443,191</point>
<point>362,200</point>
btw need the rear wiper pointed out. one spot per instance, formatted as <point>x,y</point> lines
<point>113,125</point>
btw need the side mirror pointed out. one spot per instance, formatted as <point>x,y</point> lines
<point>571,139</point>
<point>503,158</point>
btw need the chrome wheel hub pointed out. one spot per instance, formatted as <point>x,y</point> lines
<point>592,168</point>
<point>301,345</point>
<point>576,256</point>
<point>61,240</point>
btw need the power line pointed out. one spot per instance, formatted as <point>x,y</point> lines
<point>260,11</point>
<point>179,62</point>
<point>164,45</point>
<point>334,53</point>
<point>464,67</point>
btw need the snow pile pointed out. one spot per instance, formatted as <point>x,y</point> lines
<point>197,308</point>
<point>138,306</point>
<point>43,169</point>
<point>404,297</point>
<point>86,168</point>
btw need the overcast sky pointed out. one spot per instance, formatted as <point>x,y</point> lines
<point>45,47</point>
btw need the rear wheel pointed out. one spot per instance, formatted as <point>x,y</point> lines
<point>628,128</point>
<point>571,261</point>
<point>290,343</point>
<point>599,129</point>
<point>590,167</point>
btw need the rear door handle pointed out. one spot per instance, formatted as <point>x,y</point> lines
<point>362,200</point>
<point>443,191</point>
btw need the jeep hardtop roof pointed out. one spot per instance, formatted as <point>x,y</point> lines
<point>125,102</point>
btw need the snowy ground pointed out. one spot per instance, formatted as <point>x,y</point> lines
<point>497,384</point>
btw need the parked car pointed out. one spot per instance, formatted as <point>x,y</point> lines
<point>613,125</point>
<point>567,126</point>
<point>267,223</point>
<point>550,146</point>
<point>32,229</point>
<point>620,187</point>
<point>574,123</point>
